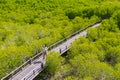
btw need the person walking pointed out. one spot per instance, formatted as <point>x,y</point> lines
<point>45,50</point>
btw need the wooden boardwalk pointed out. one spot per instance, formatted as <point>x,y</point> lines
<point>30,71</point>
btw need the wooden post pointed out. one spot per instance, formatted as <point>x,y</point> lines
<point>30,61</point>
<point>42,65</point>
<point>34,72</point>
<point>66,47</point>
<point>60,50</point>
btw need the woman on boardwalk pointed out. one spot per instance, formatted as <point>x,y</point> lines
<point>45,50</point>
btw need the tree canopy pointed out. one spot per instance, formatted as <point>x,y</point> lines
<point>25,25</point>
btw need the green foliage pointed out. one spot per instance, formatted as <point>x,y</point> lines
<point>71,78</point>
<point>92,34</point>
<point>116,17</point>
<point>117,71</point>
<point>89,65</point>
<point>54,61</point>
<point>64,71</point>
<point>109,25</point>
<point>95,57</point>
<point>25,25</point>
<point>88,78</point>
<point>113,55</point>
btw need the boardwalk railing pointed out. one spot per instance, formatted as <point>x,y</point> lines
<point>71,35</point>
<point>28,62</point>
<point>34,72</point>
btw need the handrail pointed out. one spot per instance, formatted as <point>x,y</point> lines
<point>34,72</point>
<point>20,67</point>
<point>7,77</point>
<point>71,35</point>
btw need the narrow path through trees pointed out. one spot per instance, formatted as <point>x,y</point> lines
<point>34,66</point>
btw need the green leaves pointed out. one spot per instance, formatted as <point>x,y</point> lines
<point>97,56</point>
<point>116,17</point>
<point>89,65</point>
<point>25,25</point>
<point>71,78</point>
<point>109,25</point>
<point>92,34</point>
<point>54,61</point>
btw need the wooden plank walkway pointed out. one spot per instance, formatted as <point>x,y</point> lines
<point>29,72</point>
